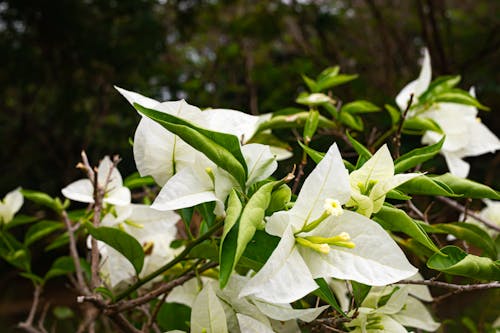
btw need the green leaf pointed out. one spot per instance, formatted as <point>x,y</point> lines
<point>438,86</point>
<point>221,148</point>
<point>40,230</point>
<point>270,140</point>
<point>229,239</point>
<point>240,231</point>
<point>363,152</point>
<point>313,99</point>
<point>351,121</point>
<point>311,84</point>
<point>14,252</point>
<point>206,210</point>
<point>459,96</point>
<point>279,199</point>
<point>296,120</point>
<point>258,250</point>
<point>469,232</point>
<point>417,156</point>
<point>59,241</point>
<point>330,81</point>
<point>20,220</point>
<point>63,312</point>
<point>311,125</point>
<point>457,262</point>
<point>328,72</point>
<point>122,242</point>
<point>418,125</point>
<point>426,185</point>
<point>42,199</point>
<point>174,316</point>
<point>37,280</point>
<point>136,181</point>
<point>394,113</point>
<point>467,188</point>
<point>61,266</point>
<point>316,156</point>
<point>359,291</point>
<point>325,293</point>
<point>360,106</point>
<point>394,219</point>
<point>397,195</point>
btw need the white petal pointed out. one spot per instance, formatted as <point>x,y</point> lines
<point>482,140</point>
<point>207,313</point>
<point>284,278</point>
<point>109,175</point>
<point>185,293</point>
<point>329,179</point>
<point>232,122</point>
<point>159,153</point>
<point>114,266</point>
<point>186,189</point>
<point>392,326</point>
<point>379,167</point>
<point>415,314</point>
<point>280,153</point>
<point>249,325</point>
<point>381,188</point>
<point>260,162</point>
<point>13,202</point>
<point>285,312</point>
<point>82,190</point>
<point>395,303</point>
<point>418,86</point>
<point>119,197</point>
<point>376,260</point>
<point>133,97</point>
<point>456,165</point>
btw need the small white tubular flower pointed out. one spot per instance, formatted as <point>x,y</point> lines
<point>465,134</point>
<point>371,182</point>
<point>153,229</point>
<point>358,248</point>
<point>10,205</point>
<point>333,207</point>
<point>400,311</point>
<point>109,178</point>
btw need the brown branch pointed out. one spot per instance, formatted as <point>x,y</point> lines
<point>463,209</point>
<point>453,286</point>
<point>163,288</point>
<point>27,325</point>
<point>397,136</point>
<point>81,284</point>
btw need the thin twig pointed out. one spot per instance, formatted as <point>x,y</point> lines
<point>156,310</point>
<point>163,288</point>
<point>28,323</point>
<point>216,227</point>
<point>397,137</point>
<point>82,286</point>
<point>462,209</point>
<point>453,286</point>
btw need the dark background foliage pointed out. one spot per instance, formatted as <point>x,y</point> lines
<point>60,60</point>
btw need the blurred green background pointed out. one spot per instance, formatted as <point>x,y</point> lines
<point>60,60</point>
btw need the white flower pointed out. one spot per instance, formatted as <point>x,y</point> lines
<point>212,307</point>
<point>203,181</point>
<point>465,134</point>
<point>377,314</point>
<point>10,205</point>
<point>153,229</point>
<point>115,193</point>
<point>318,245</point>
<point>371,182</point>
<point>161,154</point>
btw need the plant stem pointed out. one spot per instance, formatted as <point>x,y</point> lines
<point>172,263</point>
